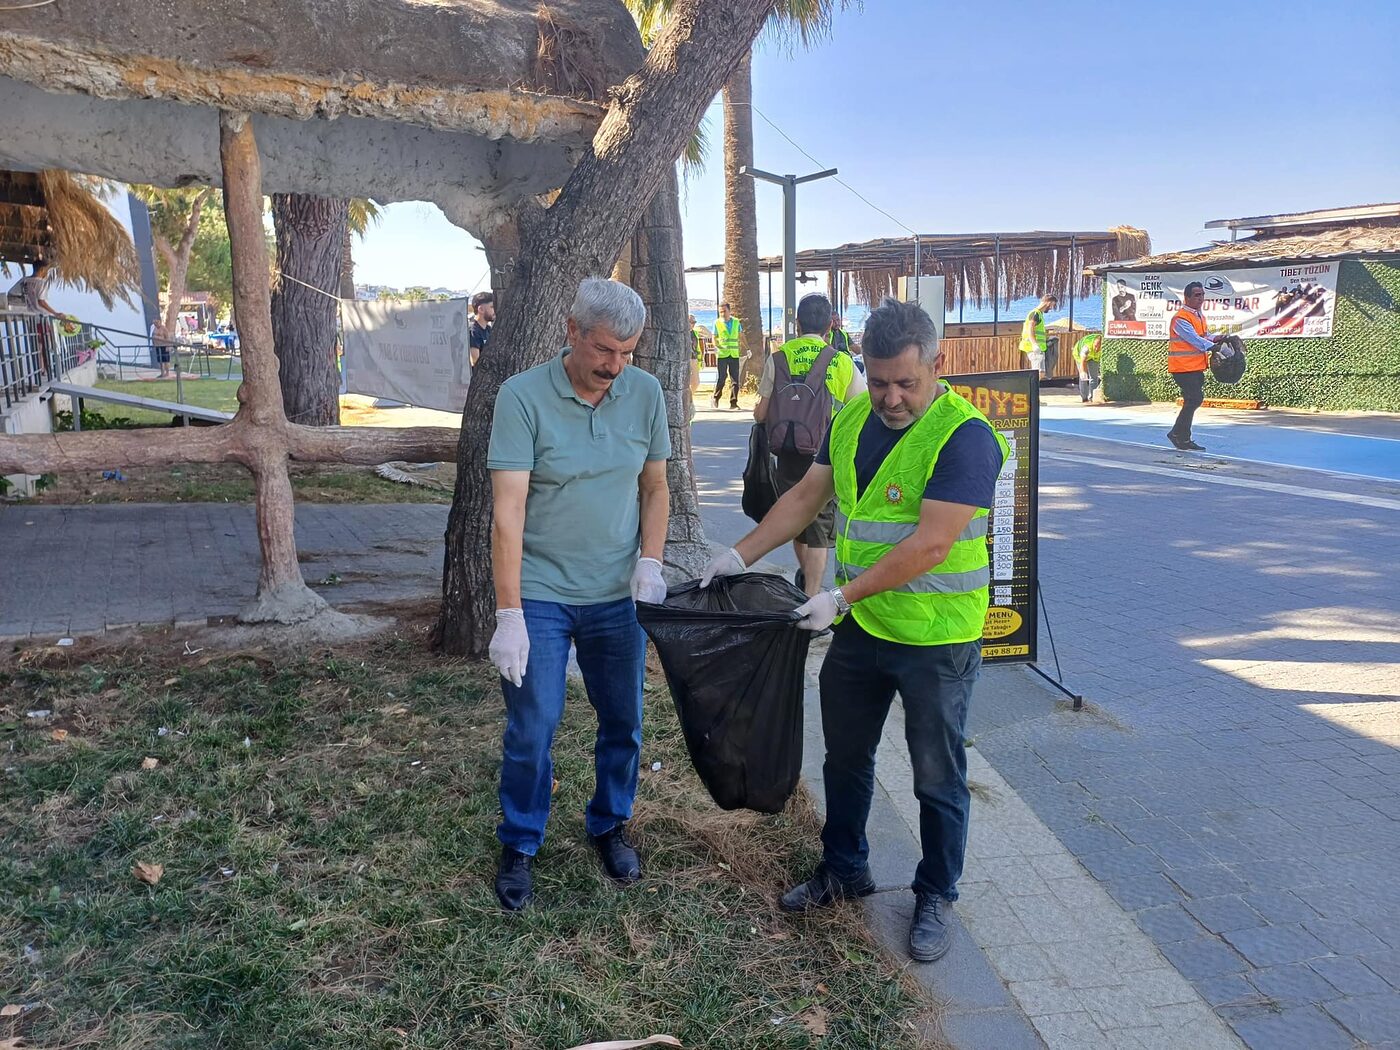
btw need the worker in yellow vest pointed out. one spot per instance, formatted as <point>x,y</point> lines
<point>913,467</point>
<point>1087,352</point>
<point>728,332</point>
<point>698,335</point>
<point>843,383</point>
<point>1188,357</point>
<point>1033,336</point>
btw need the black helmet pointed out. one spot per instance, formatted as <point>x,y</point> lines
<point>1228,369</point>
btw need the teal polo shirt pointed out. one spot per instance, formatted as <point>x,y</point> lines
<point>582,516</point>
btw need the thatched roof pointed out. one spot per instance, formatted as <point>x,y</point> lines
<point>57,218</point>
<point>469,103</point>
<point>974,265</point>
<point>1337,242</point>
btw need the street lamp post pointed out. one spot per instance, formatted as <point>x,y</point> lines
<point>789,183</point>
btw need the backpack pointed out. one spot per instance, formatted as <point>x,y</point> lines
<point>800,409</point>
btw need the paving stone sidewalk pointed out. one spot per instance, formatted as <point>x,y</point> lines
<point>1239,788</point>
<point>119,565</point>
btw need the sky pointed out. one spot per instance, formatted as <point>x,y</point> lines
<point>959,117</point>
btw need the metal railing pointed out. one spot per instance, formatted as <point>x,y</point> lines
<point>26,340</point>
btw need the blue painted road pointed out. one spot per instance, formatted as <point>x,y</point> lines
<point>1288,446</point>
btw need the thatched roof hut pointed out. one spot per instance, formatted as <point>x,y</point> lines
<point>468,103</point>
<point>57,218</point>
<point>976,266</point>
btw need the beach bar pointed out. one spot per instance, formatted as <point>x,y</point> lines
<point>1315,296</point>
<point>977,269</point>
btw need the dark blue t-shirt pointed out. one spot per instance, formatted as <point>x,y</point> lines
<point>967,466</point>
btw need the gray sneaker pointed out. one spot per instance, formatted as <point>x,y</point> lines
<point>931,933</point>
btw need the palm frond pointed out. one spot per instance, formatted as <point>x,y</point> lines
<point>91,249</point>
<point>364,213</point>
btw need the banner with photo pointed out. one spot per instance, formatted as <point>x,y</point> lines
<point>414,352</point>
<point>1292,301</point>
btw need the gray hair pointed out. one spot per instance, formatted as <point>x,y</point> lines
<point>893,327</point>
<point>608,304</point>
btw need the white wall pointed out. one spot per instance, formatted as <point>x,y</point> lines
<point>87,306</point>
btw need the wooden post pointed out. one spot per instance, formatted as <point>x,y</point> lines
<point>282,595</point>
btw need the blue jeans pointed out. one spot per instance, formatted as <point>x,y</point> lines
<point>612,656</point>
<point>858,681</point>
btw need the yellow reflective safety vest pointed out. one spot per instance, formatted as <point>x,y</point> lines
<point>948,603</point>
<point>697,336</point>
<point>727,337</point>
<point>802,354</point>
<point>1033,332</point>
<point>1089,347</point>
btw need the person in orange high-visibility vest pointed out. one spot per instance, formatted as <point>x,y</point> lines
<point>1188,357</point>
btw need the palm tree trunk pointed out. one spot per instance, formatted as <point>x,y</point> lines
<point>741,214</point>
<point>310,251</point>
<point>654,265</point>
<point>347,263</point>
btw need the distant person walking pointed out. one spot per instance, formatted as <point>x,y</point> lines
<point>697,357</point>
<point>483,317</point>
<point>1087,352</point>
<point>839,337</point>
<point>728,330</point>
<point>1033,337</point>
<point>1188,357</point>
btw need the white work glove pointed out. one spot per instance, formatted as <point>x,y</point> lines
<point>510,645</point>
<point>727,563</point>
<point>818,613</point>
<point>647,582</point>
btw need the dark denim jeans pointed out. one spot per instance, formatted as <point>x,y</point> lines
<point>612,656</point>
<point>858,681</point>
<point>1193,392</point>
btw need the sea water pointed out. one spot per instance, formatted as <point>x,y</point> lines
<point>1088,313</point>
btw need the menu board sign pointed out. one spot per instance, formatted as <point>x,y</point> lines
<point>1011,403</point>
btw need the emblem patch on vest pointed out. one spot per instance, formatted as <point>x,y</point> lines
<point>894,494</point>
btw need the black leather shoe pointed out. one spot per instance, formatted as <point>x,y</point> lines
<point>620,859</point>
<point>514,886</point>
<point>824,889</point>
<point>931,933</point>
<point>1191,446</point>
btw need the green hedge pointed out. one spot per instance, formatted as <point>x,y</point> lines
<point>1357,367</point>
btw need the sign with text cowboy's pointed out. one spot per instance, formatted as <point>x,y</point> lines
<point>1294,300</point>
<point>1011,403</point>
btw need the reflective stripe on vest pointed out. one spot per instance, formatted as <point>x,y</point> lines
<point>948,604</point>
<point>727,337</point>
<point>1181,355</point>
<point>930,582</point>
<point>893,532</point>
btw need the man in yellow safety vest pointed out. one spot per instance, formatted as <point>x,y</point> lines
<point>1033,337</point>
<point>913,467</point>
<point>728,333</point>
<point>1087,352</point>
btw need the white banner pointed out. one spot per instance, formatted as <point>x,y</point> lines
<point>415,352</point>
<point>1294,301</point>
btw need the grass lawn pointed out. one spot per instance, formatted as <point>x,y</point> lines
<point>207,393</point>
<point>325,827</point>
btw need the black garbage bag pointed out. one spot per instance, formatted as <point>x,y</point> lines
<point>734,657</point>
<point>1227,360</point>
<point>760,490</point>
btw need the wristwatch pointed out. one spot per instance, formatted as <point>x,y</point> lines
<point>842,606</point>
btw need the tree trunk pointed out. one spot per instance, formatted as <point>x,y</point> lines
<point>651,116</point>
<point>654,265</point>
<point>741,214</point>
<point>177,265</point>
<point>282,596</point>
<point>310,251</point>
<point>347,261</point>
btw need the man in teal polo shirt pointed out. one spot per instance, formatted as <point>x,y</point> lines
<point>578,475</point>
